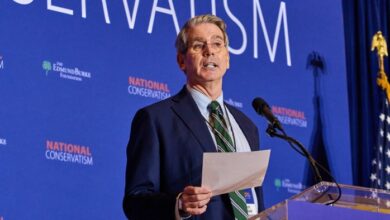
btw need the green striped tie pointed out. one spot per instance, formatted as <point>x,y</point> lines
<point>225,144</point>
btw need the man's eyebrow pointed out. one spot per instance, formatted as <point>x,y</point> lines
<point>217,37</point>
<point>202,39</point>
<point>198,39</point>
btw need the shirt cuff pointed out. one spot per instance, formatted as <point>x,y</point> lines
<point>179,215</point>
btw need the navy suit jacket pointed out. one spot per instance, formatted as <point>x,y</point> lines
<point>165,154</point>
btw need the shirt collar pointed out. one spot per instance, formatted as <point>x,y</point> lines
<point>202,101</point>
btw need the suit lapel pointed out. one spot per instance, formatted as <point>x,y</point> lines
<point>186,109</point>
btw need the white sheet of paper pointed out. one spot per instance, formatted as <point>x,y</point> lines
<point>227,172</point>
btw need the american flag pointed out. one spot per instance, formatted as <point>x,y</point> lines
<point>380,176</point>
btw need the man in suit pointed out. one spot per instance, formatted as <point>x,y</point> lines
<point>168,138</point>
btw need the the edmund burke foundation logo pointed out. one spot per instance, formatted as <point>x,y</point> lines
<point>67,152</point>
<point>148,88</point>
<point>70,73</point>
<point>234,103</point>
<point>290,186</point>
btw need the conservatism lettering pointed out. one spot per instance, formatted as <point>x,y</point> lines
<point>148,88</point>
<point>290,116</point>
<point>67,152</point>
<point>257,17</point>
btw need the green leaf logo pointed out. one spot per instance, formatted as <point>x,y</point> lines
<point>46,65</point>
<point>277,183</point>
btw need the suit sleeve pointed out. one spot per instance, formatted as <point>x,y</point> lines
<point>143,199</point>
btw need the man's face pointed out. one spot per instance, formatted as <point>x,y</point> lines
<point>207,57</point>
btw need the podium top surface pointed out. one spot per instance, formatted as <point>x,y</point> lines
<point>352,197</point>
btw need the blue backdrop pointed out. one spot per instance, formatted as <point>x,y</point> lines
<point>73,73</point>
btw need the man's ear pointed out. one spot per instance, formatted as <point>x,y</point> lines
<point>180,61</point>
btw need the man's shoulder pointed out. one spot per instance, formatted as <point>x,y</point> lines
<point>158,107</point>
<point>162,106</point>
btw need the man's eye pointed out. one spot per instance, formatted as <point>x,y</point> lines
<point>217,44</point>
<point>197,46</point>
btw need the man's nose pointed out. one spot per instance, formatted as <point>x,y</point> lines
<point>208,50</point>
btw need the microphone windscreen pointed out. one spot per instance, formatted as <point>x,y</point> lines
<point>259,104</point>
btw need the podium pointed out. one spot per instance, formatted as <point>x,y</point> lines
<point>358,203</point>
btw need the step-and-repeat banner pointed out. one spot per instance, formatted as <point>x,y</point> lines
<point>74,72</point>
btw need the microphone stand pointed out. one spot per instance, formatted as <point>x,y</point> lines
<point>273,133</point>
<point>297,146</point>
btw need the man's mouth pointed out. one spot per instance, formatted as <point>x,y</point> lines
<point>210,65</point>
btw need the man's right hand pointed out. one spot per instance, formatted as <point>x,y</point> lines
<point>194,200</point>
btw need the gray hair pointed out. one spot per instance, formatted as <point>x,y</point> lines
<point>181,43</point>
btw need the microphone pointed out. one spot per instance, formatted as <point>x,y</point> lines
<point>263,109</point>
